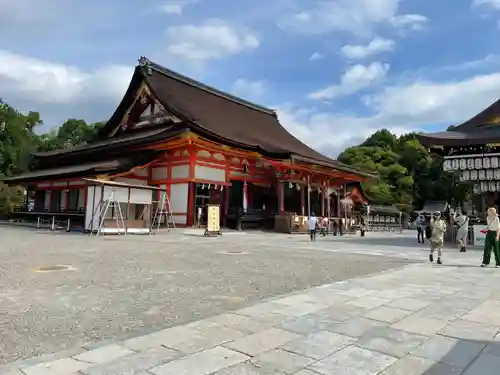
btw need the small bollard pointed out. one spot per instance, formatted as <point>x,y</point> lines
<point>38,222</point>
<point>53,225</point>
<point>68,227</point>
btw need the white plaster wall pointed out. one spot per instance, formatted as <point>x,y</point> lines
<point>179,197</point>
<point>179,219</point>
<point>121,193</point>
<point>160,173</point>
<point>212,174</point>
<point>143,172</point>
<point>93,208</point>
<point>180,171</point>
<point>140,196</point>
<point>131,181</point>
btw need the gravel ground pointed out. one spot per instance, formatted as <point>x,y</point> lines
<point>121,286</point>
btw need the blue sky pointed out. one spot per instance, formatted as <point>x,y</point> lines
<point>336,70</point>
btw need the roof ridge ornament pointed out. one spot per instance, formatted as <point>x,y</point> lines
<point>144,62</point>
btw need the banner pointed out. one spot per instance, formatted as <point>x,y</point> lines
<point>479,232</point>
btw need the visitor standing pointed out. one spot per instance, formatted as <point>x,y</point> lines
<point>312,223</point>
<point>491,240</point>
<point>462,230</point>
<point>421,224</point>
<point>438,228</point>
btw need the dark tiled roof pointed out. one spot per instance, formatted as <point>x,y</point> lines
<point>225,115</point>
<point>460,138</point>
<point>487,116</point>
<point>480,129</point>
<point>128,138</point>
<point>79,169</point>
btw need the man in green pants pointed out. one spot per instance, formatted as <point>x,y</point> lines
<point>491,240</point>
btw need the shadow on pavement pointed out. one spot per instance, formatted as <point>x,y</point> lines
<point>450,356</point>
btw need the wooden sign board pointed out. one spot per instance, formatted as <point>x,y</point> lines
<point>213,220</point>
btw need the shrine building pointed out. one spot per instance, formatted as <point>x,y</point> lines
<point>472,149</point>
<point>200,145</point>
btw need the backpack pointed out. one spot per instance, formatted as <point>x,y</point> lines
<point>428,232</point>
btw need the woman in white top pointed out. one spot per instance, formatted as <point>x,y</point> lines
<point>462,231</point>
<point>491,240</point>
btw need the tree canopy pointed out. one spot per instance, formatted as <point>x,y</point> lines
<point>408,174</point>
<point>19,139</point>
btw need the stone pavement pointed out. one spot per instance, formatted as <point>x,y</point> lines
<point>421,319</point>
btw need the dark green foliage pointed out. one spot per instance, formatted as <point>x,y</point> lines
<point>408,173</point>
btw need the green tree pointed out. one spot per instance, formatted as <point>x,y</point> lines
<point>408,174</point>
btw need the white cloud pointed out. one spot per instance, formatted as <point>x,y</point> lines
<point>377,45</point>
<point>175,6</point>
<point>253,90</point>
<point>401,109</point>
<point>355,16</point>
<point>493,3</point>
<point>209,41</point>
<point>33,84</point>
<point>410,21</point>
<point>354,79</point>
<point>316,56</point>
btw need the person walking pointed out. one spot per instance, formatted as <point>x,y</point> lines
<point>438,228</point>
<point>421,224</point>
<point>325,222</point>
<point>335,226</point>
<point>312,223</point>
<point>462,231</point>
<point>491,240</point>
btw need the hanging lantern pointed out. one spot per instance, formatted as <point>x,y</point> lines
<point>478,162</point>
<point>489,174</point>
<point>470,163</point>
<point>203,186</point>
<point>496,174</point>
<point>494,162</point>
<point>484,186</point>
<point>486,163</point>
<point>290,185</point>
<point>482,174</point>
<point>447,165</point>
<point>221,187</point>
<point>466,175</point>
<point>492,186</point>
<point>476,189</point>
<point>297,186</point>
<point>473,174</point>
<point>463,164</point>
<point>215,186</point>
<point>455,164</point>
